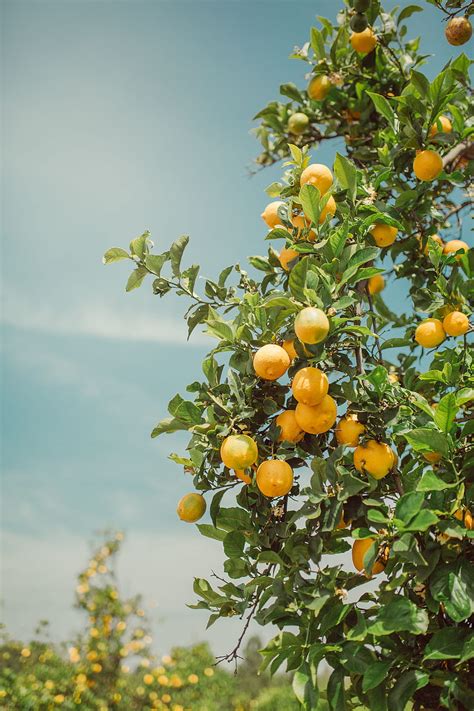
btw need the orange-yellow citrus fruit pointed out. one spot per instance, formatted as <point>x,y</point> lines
<point>289,347</point>
<point>298,123</point>
<point>318,87</point>
<point>445,123</point>
<point>359,549</point>
<point>290,431</point>
<point>318,418</point>
<point>468,520</point>
<point>270,214</point>
<point>456,323</point>
<point>383,235</point>
<point>311,325</point>
<point>349,430</point>
<point>458,31</point>
<point>239,451</point>
<point>318,175</point>
<point>191,507</point>
<point>271,362</point>
<point>432,457</point>
<point>375,458</point>
<point>309,386</point>
<point>455,245</point>
<point>240,474</point>
<point>274,478</point>
<point>363,42</point>
<point>342,522</point>
<point>430,333</point>
<point>328,210</point>
<point>286,256</point>
<point>376,284</point>
<point>427,165</point>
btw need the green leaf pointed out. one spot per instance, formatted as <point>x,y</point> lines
<point>408,11</point>
<point>445,644</point>
<point>375,674</point>
<point>234,543</point>
<point>346,173</point>
<point>169,424</point>
<point>464,395</point>
<point>233,518</point>
<point>432,482</point>
<point>399,615</point>
<point>404,689</point>
<point>135,279</point>
<point>423,439</point>
<point>311,202</point>
<point>335,691</point>
<point>205,529</point>
<point>423,520</point>
<point>468,650</point>
<point>409,505</point>
<point>453,586</point>
<point>292,91</point>
<point>176,254</point>
<point>279,233</point>
<point>297,281</point>
<point>138,246</point>
<point>154,262</point>
<point>317,43</point>
<point>383,107</point>
<point>115,254</point>
<point>446,412</point>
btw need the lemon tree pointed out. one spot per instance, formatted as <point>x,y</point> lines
<point>359,443</point>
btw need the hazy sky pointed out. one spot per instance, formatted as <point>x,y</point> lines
<point>118,117</point>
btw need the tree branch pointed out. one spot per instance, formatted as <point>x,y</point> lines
<point>459,150</point>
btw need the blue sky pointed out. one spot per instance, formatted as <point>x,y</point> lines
<point>122,116</point>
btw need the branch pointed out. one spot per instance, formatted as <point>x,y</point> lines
<point>458,151</point>
<point>458,208</point>
<point>234,655</point>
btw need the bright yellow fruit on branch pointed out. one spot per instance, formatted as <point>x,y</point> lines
<point>309,386</point>
<point>311,325</point>
<point>240,474</point>
<point>317,175</point>
<point>239,451</point>
<point>455,245</point>
<point>290,430</point>
<point>298,123</point>
<point>328,210</point>
<point>286,256</point>
<point>274,478</point>
<point>270,214</point>
<point>359,549</point>
<point>445,123</point>
<point>456,323</point>
<point>383,235</point>
<point>191,507</point>
<point>318,87</point>
<point>458,31</point>
<point>430,333</point>
<point>432,457</point>
<point>349,430</point>
<point>376,284</point>
<point>363,42</point>
<point>289,347</point>
<point>318,418</point>
<point>271,362</point>
<point>375,458</point>
<point>427,165</point>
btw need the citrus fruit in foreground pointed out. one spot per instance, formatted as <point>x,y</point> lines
<point>329,209</point>
<point>458,31</point>
<point>310,385</point>
<point>375,458</point>
<point>319,418</point>
<point>298,123</point>
<point>455,245</point>
<point>359,549</point>
<point>349,430</point>
<point>445,123</point>
<point>427,165</point>
<point>363,42</point>
<point>311,325</point>
<point>240,474</point>
<point>286,256</point>
<point>289,347</point>
<point>430,333</point>
<point>383,235</point>
<point>239,451</point>
<point>274,478</point>
<point>270,214</point>
<point>318,87</point>
<point>290,431</point>
<point>317,175</point>
<point>271,361</point>
<point>432,457</point>
<point>376,284</point>
<point>456,323</point>
<point>191,507</point>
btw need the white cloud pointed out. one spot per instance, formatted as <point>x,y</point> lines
<point>100,321</point>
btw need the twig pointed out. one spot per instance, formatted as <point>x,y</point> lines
<point>234,655</point>
<point>374,323</point>
<point>458,208</point>
<point>457,151</point>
